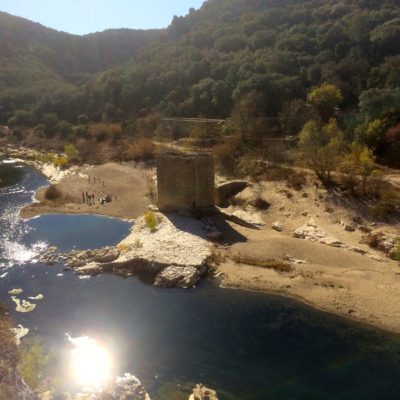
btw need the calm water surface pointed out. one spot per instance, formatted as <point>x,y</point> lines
<point>246,345</point>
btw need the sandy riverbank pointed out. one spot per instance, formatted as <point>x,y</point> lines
<point>364,287</point>
<point>340,280</point>
<point>127,186</point>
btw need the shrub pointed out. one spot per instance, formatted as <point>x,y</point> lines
<point>396,251</point>
<point>122,247</point>
<point>61,162</point>
<point>388,203</point>
<point>384,209</point>
<point>34,361</point>
<point>151,220</point>
<point>52,193</point>
<point>226,155</point>
<point>296,180</point>
<point>142,149</point>
<point>250,166</point>
<point>102,131</point>
<point>71,152</point>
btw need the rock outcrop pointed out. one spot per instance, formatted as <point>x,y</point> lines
<point>389,244</point>
<point>178,276</point>
<point>226,190</point>
<point>127,387</point>
<point>12,386</point>
<point>174,254</point>
<point>311,232</point>
<point>201,392</point>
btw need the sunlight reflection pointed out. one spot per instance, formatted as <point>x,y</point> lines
<point>90,362</point>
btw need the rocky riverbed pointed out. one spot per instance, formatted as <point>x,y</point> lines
<point>127,387</point>
<point>176,253</point>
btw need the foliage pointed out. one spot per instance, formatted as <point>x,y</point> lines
<point>226,154</point>
<point>392,138</point>
<point>321,146</point>
<point>61,162</point>
<point>325,99</point>
<point>34,361</point>
<point>142,149</point>
<point>151,221</point>
<point>359,164</point>
<point>52,193</point>
<point>387,205</point>
<point>70,152</point>
<point>384,209</point>
<point>252,60</point>
<point>8,356</point>
<point>396,253</point>
<point>103,131</point>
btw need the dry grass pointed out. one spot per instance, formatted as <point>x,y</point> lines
<point>225,155</point>
<point>104,131</point>
<point>142,149</point>
<point>275,264</point>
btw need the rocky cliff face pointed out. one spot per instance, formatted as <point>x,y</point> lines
<point>12,386</point>
<point>127,387</point>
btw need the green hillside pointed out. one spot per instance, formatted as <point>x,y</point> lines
<point>260,57</point>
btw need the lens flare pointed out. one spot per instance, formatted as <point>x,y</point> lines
<point>90,362</point>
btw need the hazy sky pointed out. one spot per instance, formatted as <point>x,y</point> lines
<point>85,16</point>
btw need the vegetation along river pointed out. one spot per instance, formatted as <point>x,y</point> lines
<point>245,345</point>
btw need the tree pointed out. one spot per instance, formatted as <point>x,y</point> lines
<point>248,117</point>
<point>392,138</point>
<point>50,121</point>
<point>293,116</point>
<point>359,163</point>
<point>325,99</point>
<point>321,146</point>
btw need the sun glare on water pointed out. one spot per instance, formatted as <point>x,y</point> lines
<point>90,362</point>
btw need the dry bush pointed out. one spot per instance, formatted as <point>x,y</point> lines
<point>251,166</point>
<point>151,220</point>
<point>226,155</point>
<point>387,205</point>
<point>142,149</point>
<point>275,264</point>
<point>101,132</point>
<point>384,209</point>
<point>277,173</point>
<point>52,193</point>
<point>296,180</point>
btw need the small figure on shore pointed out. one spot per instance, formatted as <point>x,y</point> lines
<point>83,197</point>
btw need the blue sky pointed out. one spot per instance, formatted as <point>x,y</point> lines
<point>86,16</point>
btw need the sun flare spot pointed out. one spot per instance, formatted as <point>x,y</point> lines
<point>90,362</point>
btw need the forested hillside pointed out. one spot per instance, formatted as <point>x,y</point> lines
<point>35,60</point>
<point>257,58</point>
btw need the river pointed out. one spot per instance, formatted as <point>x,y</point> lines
<point>246,345</point>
